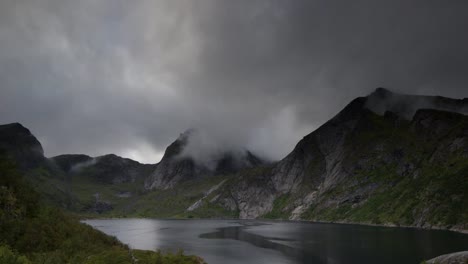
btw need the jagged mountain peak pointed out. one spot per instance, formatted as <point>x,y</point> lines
<point>177,165</point>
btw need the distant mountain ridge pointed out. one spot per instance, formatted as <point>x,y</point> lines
<point>124,176</point>
<point>386,158</point>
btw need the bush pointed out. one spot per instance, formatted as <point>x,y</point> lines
<point>42,234</point>
<point>7,256</point>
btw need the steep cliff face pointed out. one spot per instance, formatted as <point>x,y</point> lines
<point>366,166</point>
<point>385,159</point>
<point>176,167</point>
<point>315,165</point>
<point>173,168</point>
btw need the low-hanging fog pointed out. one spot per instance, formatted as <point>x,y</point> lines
<point>127,77</point>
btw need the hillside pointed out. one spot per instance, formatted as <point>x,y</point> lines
<point>32,232</point>
<point>368,168</point>
<point>386,158</point>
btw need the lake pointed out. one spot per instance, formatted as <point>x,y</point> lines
<point>255,241</point>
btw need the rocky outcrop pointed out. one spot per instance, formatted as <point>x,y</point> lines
<point>199,202</point>
<point>452,258</point>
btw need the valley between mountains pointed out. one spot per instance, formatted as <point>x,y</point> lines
<point>386,158</point>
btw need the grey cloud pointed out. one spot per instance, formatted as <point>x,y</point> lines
<point>127,77</point>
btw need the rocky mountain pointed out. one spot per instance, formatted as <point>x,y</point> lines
<point>72,162</point>
<point>386,158</point>
<point>405,106</point>
<point>99,184</point>
<point>20,145</point>
<point>368,166</point>
<point>175,167</point>
<point>107,169</point>
<point>71,181</point>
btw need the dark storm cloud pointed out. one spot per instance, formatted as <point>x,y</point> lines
<point>129,76</point>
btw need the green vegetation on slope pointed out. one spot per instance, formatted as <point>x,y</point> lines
<point>278,211</point>
<point>415,178</point>
<point>33,233</point>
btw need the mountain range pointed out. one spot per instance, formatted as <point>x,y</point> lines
<point>386,158</point>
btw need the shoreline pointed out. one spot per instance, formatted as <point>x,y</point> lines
<point>456,230</point>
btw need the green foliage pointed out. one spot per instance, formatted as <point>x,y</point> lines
<point>7,256</point>
<point>47,235</point>
<point>433,192</point>
<point>278,211</point>
<point>210,210</point>
<point>166,258</point>
<point>174,202</point>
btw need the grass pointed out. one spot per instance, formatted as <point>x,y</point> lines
<point>278,211</point>
<point>434,192</point>
<point>31,232</point>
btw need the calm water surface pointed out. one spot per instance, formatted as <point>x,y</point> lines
<point>234,241</point>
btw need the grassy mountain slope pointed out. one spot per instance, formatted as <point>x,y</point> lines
<point>31,232</point>
<point>402,173</point>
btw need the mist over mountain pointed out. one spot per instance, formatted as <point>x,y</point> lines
<point>329,112</point>
<point>102,77</point>
<point>383,100</point>
<point>386,158</point>
<point>191,156</point>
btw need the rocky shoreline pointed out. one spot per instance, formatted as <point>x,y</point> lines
<point>451,258</point>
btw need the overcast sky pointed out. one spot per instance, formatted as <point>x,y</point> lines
<point>127,77</point>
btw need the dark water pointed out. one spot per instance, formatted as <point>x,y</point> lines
<point>231,241</point>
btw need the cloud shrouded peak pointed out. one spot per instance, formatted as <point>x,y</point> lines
<point>127,77</point>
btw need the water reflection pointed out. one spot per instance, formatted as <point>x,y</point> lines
<point>275,243</point>
<point>256,242</point>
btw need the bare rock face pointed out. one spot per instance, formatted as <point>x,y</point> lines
<point>173,168</point>
<point>452,258</point>
<point>315,161</point>
<point>176,167</point>
<point>364,151</point>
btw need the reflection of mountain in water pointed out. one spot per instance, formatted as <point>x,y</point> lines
<point>240,233</point>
